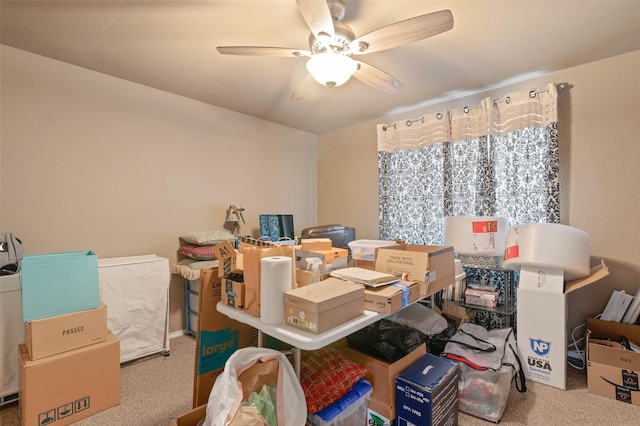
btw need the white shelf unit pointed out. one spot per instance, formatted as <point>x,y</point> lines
<point>136,292</point>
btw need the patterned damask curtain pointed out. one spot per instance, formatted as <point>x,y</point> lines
<point>499,158</point>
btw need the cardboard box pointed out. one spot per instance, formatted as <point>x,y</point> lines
<point>381,374</point>
<point>612,370</point>
<point>315,244</point>
<point>427,392</point>
<point>217,336</point>
<point>229,259</point>
<point>64,388</point>
<point>320,307</point>
<point>365,264</point>
<point>391,298</point>
<point>190,418</point>
<point>62,333</point>
<point>335,258</point>
<point>232,293</point>
<point>542,314</point>
<point>58,283</point>
<point>432,265</point>
<point>303,277</point>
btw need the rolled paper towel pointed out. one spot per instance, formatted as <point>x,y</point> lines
<point>479,235</point>
<point>275,279</point>
<point>549,246</point>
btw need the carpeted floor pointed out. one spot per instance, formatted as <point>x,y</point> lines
<point>157,389</point>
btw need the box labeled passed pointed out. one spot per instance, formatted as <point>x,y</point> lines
<point>50,336</point>
<point>319,307</point>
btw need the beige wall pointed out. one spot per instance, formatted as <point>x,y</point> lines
<point>89,161</point>
<point>93,162</point>
<point>600,178</point>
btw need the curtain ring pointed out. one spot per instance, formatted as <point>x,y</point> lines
<point>508,100</point>
<point>409,123</point>
<point>532,94</point>
<point>439,116</point>
<point>384,128</point>
<point>466,110</point>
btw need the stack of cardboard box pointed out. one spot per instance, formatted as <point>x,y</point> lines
<point>69,365</point>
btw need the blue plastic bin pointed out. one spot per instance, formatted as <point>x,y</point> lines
<point>350,410</point>
<point>58,283</point>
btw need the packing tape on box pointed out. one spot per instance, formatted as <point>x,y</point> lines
<point>550,246</point>
<point>275,279</point>
<point>481,235</point>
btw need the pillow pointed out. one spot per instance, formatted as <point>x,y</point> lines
<point>190,268</point>
<point>198,252</point>
<point>421,318</point>
<point>207,238</point>
<point>326,376</point>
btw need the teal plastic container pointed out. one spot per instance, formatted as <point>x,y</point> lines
<point>58,283</point>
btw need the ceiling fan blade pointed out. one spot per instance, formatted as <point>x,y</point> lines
<point>263,51</point>
<point>377,78</point>
<point>403,32</point>
<point>318,18</point>
<point>303,88</point>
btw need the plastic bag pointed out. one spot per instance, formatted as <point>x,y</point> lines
<point>386,340</point>
<point>227,393</point>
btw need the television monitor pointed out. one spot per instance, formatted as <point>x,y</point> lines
<point>276,226</point>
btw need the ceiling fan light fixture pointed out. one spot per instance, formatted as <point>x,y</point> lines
<point>331,69</point>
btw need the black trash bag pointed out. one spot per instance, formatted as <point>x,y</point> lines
<point>437,342</point>
<point>387,340</point>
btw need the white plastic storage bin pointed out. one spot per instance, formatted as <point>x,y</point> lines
<point>366,249</point>
<point>350,410</point>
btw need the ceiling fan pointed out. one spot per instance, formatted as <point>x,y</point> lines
<point>332,43</point>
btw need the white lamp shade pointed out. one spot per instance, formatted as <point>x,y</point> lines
<point>331,69</point>
<point>232,216</point>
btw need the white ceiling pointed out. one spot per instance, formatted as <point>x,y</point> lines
<point>171,46</point>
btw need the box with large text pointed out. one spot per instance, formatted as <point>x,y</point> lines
<point>54,335</point>
<point>613,370</point>
<point>433,265</point>
<point>217,336</point>
<point>62,389</point>
<point>542,312</point>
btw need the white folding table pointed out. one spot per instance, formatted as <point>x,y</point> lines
<point>300,339</point>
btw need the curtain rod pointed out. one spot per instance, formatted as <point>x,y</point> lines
<point>532,94</point>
